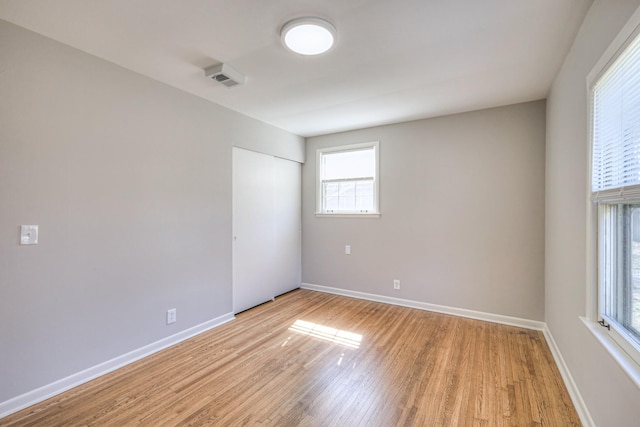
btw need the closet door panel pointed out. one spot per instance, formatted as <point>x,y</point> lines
<point>253,228</point>
<point>288,225</point>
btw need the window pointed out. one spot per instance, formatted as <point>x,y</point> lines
<point>348,180</point>
<point>615,187</point>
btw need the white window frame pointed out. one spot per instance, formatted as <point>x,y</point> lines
<point>615,340</point>
<point>376,183</point>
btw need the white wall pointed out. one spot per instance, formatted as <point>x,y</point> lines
<point>462,225</point>
<point>130,183</point>
<point>611,397</point>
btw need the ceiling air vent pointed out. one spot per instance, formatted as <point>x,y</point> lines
<point>224,74</point>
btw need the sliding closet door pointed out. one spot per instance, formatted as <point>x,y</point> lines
<point>266,227</point>
<point>288,225</point>
<point>253,228</point>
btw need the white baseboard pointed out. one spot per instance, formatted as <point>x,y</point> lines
<point>461,312</point>
<point>576,398</point>
<point>38,395</point>
<point>572,388</point>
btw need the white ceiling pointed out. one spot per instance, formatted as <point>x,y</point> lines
<point>395,60</point>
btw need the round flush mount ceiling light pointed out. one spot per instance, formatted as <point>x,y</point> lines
<point>308,36</point>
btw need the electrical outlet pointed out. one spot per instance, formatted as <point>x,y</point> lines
<point>28,234</point>
<point>171,316</point>
<point>347,250</point>
<point>396,284</point>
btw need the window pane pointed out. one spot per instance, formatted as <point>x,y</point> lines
<point>347,189</point>
<point>331,203</point>
<point>350,196</point>
<point>621,264</point>
<point>364,203</point>
<point>365,188</point>
<point>331,189</point>
<point>349,164</point>
<point>347,203</point>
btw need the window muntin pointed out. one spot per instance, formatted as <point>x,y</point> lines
<point>348,180</point>
<point>615,186</point>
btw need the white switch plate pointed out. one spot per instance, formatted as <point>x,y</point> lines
<point>28,234</point>
<point>171,316</point>
<point>347,249</point>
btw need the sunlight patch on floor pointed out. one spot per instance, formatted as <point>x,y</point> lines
<point>327,333</point>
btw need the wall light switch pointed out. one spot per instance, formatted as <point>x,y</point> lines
<point>347,249</point>
<point>171,316</point>
<point>28,234</point>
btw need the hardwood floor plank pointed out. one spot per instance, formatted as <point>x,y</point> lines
<point>314,359</point>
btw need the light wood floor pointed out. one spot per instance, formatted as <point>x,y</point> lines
<point>316,359</point>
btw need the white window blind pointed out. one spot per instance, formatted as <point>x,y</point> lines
<point>616,129</point>
<point>352,164</point>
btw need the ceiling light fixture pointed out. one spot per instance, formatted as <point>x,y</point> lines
<point>308,36</point>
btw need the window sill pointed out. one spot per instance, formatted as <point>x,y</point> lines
<point>628,365</point>
<point>347,215</point>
